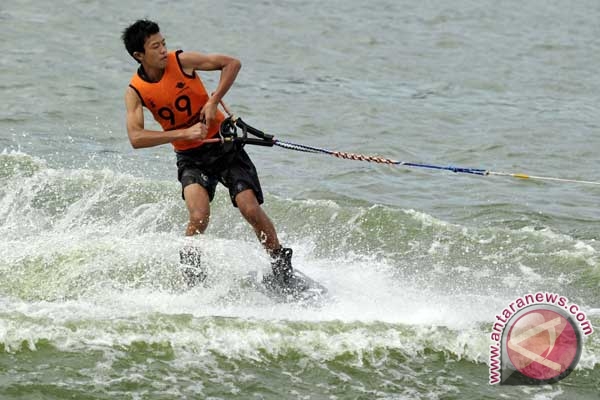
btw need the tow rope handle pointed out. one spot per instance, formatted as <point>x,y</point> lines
<point>228,131</point>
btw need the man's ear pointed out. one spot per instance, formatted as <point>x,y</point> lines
<point>138,55</point>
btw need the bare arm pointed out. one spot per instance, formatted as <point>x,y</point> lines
<point>140,137</point>
<point>229,68</point>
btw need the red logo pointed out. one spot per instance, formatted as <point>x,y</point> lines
<point>543,345</point>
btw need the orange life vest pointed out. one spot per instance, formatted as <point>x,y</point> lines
<point>176,100</point>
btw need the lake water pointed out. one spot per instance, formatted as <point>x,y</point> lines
<point>417,262</point>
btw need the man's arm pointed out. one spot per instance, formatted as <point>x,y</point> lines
<point>140,137</point>
<point>229,68</point>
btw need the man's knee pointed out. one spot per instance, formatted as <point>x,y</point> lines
<point>248,205</point>
<point>250,211</point>
<point>199,217</point>
<point>198,222</point>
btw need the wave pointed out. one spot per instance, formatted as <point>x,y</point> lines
<point>91,259</point>
<point>61,218</point>
<point>75,326</point>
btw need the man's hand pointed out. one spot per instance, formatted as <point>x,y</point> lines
<point>209,112</point>
<point>196,132</point>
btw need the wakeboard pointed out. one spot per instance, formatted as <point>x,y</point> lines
<point>300,288</point>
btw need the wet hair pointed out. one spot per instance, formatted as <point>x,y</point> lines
<point>135,35</point>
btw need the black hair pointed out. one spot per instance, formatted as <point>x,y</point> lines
<point>136,34</point>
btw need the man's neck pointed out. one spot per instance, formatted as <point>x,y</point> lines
<point>151,74</point>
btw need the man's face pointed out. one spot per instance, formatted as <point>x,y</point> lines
<point>155,52</point>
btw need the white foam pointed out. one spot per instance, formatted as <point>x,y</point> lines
<point>363,290</point>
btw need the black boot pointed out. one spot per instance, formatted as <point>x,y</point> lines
<point>282,265</point>
<point>189,258</point>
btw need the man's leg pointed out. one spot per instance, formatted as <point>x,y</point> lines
<point>255,215</point>
<point>198,205</point>
<point>265,231</point>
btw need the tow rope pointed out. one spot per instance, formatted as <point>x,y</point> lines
<point>228,134</point>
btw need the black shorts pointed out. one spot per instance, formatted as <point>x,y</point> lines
<point>211,164</point>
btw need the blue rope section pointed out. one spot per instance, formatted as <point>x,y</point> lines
<point>462,170</point>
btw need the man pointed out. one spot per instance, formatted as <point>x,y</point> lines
<point>166,84</point>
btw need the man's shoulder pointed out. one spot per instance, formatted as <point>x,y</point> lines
<point>175,54</point>
<point>130,91</point>
<point>135,76</point>
<point>133,98</point>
